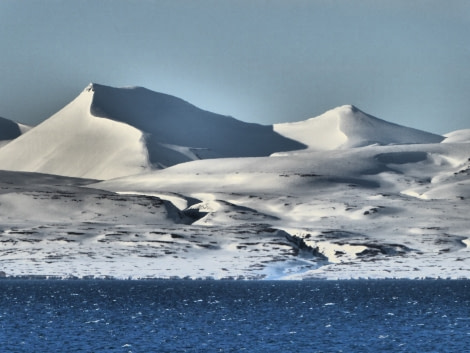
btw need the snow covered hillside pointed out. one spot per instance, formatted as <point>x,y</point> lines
<point>110,132</point>
<point>342,195</point>
<point>56,226</point>
<point>377,211</point>
<point>398,211</point>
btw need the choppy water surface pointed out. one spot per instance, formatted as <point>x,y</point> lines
<point>234,316</point>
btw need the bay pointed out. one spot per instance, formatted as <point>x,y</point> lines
<point>234,316</point>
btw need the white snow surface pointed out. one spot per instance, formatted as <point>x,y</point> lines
<point>459,136</point>
<point>375,200</point>
<point>73,142</point>
<point>110,132</point>
<point>371,212</point>
<point>346,127</point>
<point>398,211</point>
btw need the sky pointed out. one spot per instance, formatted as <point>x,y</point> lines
<point>263,61</point>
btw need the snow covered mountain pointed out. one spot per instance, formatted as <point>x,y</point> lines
<point>396,211</point>
<point>347,127</point>
<point>110,132</point>
<point>342,195</point>
<point>459,136</point>
<point>376,211</point>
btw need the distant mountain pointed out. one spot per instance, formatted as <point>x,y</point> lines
<point>9,130</point>
<point>459,136</point>
<point>347,127</point>
<point>342,195</point>
<point>174,126</point>
<point>110,132</point>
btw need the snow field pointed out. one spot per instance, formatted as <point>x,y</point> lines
<point>178,191</point>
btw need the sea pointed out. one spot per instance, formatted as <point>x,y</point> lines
<point>234,316</point>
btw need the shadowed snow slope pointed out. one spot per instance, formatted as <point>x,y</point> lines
<point>176,131</point>
<point>110,132</point>
<point>9,130</point>
<point>346,127</point>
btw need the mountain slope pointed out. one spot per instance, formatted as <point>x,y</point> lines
<point>110,132</point>
<point>397,211</point>
<point>459,136</point>
<point>171,124</point>
<point>74,143</point>
<point>347,127</point>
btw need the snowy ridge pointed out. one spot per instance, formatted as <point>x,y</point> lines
<point>73,142</point>
<point>110,132</point>
<point>176,131</point>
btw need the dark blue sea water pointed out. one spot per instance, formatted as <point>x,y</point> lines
<point>234,316</point>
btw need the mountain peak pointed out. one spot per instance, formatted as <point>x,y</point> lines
<point>347,108</point>
<point>108,132</point>
<point>90,87</point>
<point>347,126</point>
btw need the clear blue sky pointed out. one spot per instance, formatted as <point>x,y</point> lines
<point>262,61</point>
